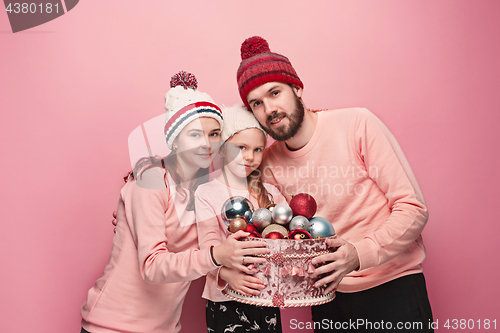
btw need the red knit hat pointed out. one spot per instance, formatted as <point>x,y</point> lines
<point>259,65</point>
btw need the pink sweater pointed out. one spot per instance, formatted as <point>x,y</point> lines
<point>154,257</point>
<point>209,199</point>
<point>363,184</point>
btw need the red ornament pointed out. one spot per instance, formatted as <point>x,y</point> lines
<point>275,235</point>
<point>299,234</point>
<point>275,228</point>
<point>251,227</point>
<point>254,234</point>
<point>303,204</point>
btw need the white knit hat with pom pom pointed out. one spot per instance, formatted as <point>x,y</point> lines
<point>184,103</point>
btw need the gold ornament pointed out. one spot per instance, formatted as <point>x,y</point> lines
<point>237,224</point>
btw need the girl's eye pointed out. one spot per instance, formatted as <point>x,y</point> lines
<point>215,134</point>
<point>242,147</point>
<point>258,150</point>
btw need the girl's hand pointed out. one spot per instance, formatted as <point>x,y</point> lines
<point>234,254</point>
<point>241,282</point>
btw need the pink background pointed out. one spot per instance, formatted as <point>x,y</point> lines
<point>72,91</point>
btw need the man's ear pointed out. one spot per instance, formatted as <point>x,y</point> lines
<point>298,91</point>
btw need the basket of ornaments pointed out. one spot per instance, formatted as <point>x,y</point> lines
<point>294,237</point>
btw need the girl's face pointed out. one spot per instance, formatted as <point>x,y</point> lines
<point>197,142</point>
<point>243,152</point>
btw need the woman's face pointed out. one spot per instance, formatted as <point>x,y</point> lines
<point>243,152</point>
<point>198,142</point>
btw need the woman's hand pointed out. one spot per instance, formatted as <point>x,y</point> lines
<point>241,282</point>
<point>234,254</point>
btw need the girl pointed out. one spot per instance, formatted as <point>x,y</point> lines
<point>155,253</point>
<point>243,141</point>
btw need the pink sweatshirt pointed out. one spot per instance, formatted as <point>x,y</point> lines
<point>154,257</point>
<point>209,199</point>
<point>363,184</point>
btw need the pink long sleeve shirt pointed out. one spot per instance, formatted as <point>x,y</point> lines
<point>154,257</point>
<point>363,184</point>
<point>209,199</point>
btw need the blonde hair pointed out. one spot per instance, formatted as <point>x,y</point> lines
<point>255,186</point>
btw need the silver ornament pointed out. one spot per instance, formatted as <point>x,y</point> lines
<point>299,222</point>
<point>248,215</point>
<point>235,207</point>
<point>261,218</point>
<point>282,213</point>
<point>321,227</point>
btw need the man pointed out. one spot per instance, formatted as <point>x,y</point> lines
<point>354,168</point>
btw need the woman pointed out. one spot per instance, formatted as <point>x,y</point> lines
<point>155,252</point>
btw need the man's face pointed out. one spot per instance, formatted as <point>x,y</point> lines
<point>278,109</point>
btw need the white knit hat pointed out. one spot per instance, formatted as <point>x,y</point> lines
<point>236,119</point>
<point>184,103</point>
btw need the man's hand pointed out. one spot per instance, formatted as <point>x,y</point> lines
<point>338,264</point>
<point>235,254</point>
<point>241,282</point>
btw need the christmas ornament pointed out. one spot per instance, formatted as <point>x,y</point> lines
<point>299,222</point>
<point>282,213</point>
<point>303,204</point>
<point>261,218</point>
<point>248,215</point>
<point>275,235</point>
<point>254,234</point>
<point>237,224</point>
<point>251,227</point>
<point>275,228</point>
<point>299,234</point>
<point>271,206</point>
<point>235,207</point>
<point>321,228</point>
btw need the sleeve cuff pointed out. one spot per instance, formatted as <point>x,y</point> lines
<point>212,256</point>
<point>220,283</point>
<point>207,262</point>
<point>367,252</point>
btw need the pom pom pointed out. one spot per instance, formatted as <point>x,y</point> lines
<point>252,46</point>
<point>184,79</point>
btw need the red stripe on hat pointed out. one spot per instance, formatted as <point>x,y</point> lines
<point>185,109</point>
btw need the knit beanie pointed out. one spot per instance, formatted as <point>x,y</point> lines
<point>259,66</point>
<point>236,119</point>
<point>184,103</point>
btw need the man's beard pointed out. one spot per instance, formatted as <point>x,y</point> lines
<point>295,118</point>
